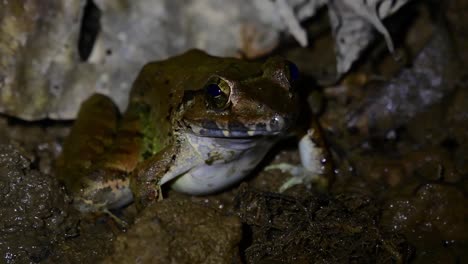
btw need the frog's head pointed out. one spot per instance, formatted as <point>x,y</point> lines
<point>243,99</point>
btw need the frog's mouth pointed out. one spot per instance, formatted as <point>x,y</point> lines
<point>207,128</point>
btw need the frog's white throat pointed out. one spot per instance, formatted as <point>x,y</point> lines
<point>209,164</point>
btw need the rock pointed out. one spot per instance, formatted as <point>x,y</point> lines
<point>43,74</point>
<point>414,90</point>
<point>38,55</point>
<point>433,217</point>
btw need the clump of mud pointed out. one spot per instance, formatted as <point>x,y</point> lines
<point>37,222</point>
<point>319,227</point>
<point>34,210</point>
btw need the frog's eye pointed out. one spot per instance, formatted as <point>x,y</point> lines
<point>217,93</point>
<point>292,71</point>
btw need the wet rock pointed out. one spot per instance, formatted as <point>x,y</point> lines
<point>432,76</point>
<point>34,214</point>
<point>457,19</point>
<point>433,217</point>
<point>427,164</point>
<point>456,134</point>
<point>41,141</point>
<point>433,207</point>
<point>179,231</point>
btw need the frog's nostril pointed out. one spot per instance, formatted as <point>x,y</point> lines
<point>276,123</point>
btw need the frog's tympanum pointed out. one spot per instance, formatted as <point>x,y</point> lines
<point>196,122</point>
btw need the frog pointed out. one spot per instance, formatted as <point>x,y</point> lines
<point>196,123</point>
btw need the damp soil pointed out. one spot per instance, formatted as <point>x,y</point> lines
<point>398,135</point>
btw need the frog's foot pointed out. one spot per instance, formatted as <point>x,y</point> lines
<point>90,206</point>
<point>315,163</point>
<point>121,223</point>
<point>299,175</point>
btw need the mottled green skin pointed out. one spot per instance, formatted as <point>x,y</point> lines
<point>167,110</point>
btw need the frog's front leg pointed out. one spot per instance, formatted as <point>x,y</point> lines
<point>145,179</point>
<point>315,164</point>
<point>148,177</point>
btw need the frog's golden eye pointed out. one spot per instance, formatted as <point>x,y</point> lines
<point>217,93</point>
<point>292,71</point>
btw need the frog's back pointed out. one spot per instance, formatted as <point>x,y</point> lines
<point>188,71</point>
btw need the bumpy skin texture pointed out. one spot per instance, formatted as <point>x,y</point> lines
<point>98,155</point>
<point>191,118</point>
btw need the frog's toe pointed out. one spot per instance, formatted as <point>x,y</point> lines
<point>294,180</point>
<point>286,168</point>
<point>299,175</point>
<point>120,222</point>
